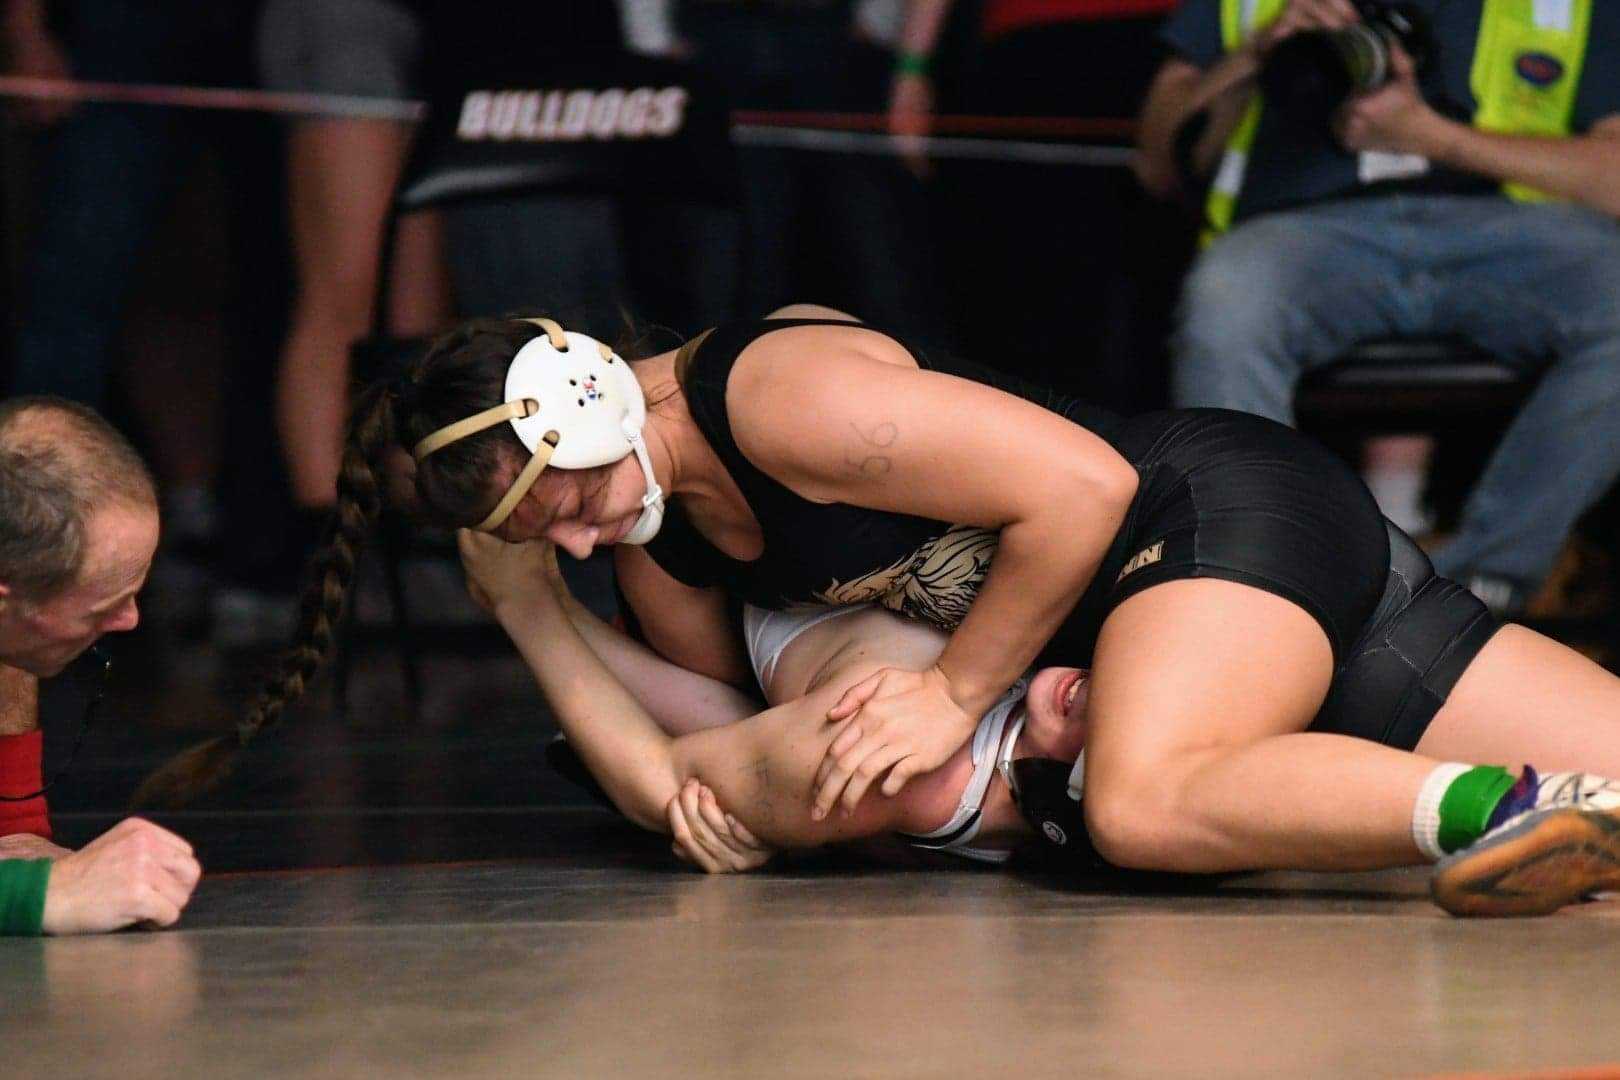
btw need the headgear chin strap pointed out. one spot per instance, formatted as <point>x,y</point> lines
<point>574,404</point>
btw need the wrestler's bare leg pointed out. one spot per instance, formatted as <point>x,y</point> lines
<point>1198,758</point>
<point>1526,698</point>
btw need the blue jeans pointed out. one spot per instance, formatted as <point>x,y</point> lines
<point>1293,290</point>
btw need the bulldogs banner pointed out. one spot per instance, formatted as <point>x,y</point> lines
<point>639,127</point>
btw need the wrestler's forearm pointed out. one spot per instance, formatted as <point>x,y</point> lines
<point>1041,568</point>
<point>681,701</point>
<point>763,770</point>
<point>759,764</point>
<point>618,740</point>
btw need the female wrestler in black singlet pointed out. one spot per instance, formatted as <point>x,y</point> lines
<point>1230,583</point>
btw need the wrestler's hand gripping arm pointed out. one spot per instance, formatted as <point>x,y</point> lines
<point>617,739</point>
<point>760,766</point>
<point>680,701</point>
<point>862,425</point>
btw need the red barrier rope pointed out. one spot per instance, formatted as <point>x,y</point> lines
<point>339,106</point>
<point>208,97</point>
<point>1027,127</point>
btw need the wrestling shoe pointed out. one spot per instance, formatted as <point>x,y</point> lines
<point>1560,843</point>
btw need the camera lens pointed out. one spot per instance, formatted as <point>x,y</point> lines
<point>1364,50</point>
<point>1310,74</point>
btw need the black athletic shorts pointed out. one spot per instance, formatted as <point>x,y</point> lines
<point>1240,498</point>
<point>1424,633</point>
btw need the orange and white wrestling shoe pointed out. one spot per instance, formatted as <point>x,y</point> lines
<point>1562,847</point>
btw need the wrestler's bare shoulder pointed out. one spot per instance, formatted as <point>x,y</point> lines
<point>788,349</point>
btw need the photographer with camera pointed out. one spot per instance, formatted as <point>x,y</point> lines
<point>1370,169</point>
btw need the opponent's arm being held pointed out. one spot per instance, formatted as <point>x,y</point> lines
<point>760,767</point>
<point>689,626</point>
<point>862,425</point>
<point>617,739</point>
<point>679,700</point>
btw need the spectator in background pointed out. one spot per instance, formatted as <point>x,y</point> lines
<point>552,249</point>
<point>106,176</point>
<point>860,218</point>
<point>341,173</point>
<point>1479,200</point>
<point>1042,238</point>
<point>560,251</point>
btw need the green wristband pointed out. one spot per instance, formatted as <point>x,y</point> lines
<point>22,895</point>
<point>911,63</point>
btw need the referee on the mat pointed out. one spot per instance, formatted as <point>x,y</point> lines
<point>78,527</point>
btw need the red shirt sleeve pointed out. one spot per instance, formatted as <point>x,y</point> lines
<point>20,772</point>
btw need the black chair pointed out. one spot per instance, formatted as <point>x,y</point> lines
<point>644,131</point>
<point>1442,386</point>
<point>1410,385</point>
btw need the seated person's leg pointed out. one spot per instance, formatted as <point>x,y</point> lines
<point>1277,295</point>
<point>1540,282</point>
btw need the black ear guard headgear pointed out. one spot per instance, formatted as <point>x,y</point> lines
<point>1042,789</point>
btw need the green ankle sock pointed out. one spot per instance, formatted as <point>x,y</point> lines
<point>1467,805</point>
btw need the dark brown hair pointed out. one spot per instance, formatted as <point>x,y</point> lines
<point>463,372</point>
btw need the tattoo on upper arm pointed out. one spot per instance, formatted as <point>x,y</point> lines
<point>880,436</point>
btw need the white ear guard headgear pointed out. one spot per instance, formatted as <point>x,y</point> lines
<point>575,404</point>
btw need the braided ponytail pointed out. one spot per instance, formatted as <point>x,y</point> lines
<point>326,592</point>
<point>463,373</point>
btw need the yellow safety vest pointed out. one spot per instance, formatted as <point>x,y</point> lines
<point>1526,73</point>
<point>1527,70</point>
<point>1239,19</point>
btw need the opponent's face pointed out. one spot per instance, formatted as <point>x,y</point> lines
<point>577,509</point>
<point>43,638</point>
<point>1055,712</point>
